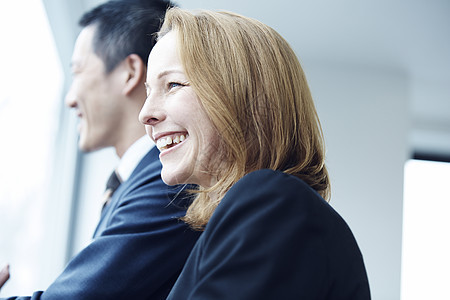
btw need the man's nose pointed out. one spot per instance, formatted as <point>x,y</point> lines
<point>71,99</point>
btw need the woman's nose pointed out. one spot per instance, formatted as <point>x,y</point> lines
<point>151,113</point>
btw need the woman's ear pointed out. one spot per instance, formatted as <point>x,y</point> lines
<point>135,69</point>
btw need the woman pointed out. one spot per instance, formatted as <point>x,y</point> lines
<point>230,110</point>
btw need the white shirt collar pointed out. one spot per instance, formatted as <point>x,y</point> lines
<point>133,156</point>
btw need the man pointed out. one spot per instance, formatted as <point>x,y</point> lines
<point>140,245</point>
<point>4,275</point>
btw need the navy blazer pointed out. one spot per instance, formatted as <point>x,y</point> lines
<point>139,246</point>
<point>273,237</point>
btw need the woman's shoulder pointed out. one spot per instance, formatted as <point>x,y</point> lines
<point>271,190</point>
<point>271,176</point>
<point>273,183</point>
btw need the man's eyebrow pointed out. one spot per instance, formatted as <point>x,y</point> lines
<point>76,63</point>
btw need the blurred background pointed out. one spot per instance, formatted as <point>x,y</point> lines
<point>379,72</point>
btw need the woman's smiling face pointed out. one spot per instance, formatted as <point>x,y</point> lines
<point>176,121</point>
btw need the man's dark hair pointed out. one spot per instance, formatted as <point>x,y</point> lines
<point>124,27</point>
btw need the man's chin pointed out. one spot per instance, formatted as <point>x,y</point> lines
<point>85,147</point>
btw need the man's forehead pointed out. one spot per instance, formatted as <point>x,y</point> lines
<point>83,49</point>
<point>84,40</point>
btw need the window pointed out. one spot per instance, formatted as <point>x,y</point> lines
<point>426,231</point>
<point>30,99</point>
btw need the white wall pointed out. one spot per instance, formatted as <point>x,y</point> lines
<point>364,114</point>
<point>36,189</point>
<point>430,114</point>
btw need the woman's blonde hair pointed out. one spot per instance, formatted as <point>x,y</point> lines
<point>252,87</point>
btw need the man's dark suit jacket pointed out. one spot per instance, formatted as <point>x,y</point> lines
<point>273,237</point>
<point>139,246</point>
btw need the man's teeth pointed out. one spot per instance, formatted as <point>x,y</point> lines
<point>165,142</point>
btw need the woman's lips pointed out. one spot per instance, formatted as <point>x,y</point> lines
<point>168,141</point>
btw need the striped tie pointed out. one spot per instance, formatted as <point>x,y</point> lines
<point>111,186</point>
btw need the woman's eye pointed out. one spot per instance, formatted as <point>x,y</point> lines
<point>147,89</point>
<point>172,85</point>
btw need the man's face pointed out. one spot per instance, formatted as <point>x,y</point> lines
<point>94,95</point>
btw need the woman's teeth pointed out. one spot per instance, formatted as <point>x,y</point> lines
<point>169,141</point>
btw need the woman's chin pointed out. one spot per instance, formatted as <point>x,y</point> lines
<point>172,178</point>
